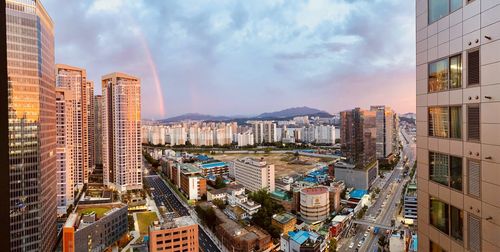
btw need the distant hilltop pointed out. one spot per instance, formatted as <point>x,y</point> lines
<point>282,114</point>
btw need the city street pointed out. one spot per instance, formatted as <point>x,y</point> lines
<point>385,206</point>
<point>164,196</point>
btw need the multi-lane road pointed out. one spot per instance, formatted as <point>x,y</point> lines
<point>164,196</point>
<point>384,208</point>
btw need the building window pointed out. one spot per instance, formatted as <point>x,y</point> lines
<point>439,215</point>
<point>457,223</point>
<point>445,122</point>
<point>473,67</point>
<point>440,8</point>
<point>473,122</point>
<point>445,170</point>
<point>445,74</point>
<point>435,247</point>
<point>448,219</point>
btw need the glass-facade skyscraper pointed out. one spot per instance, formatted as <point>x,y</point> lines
<point>31,122</point>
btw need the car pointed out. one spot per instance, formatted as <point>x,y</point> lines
<point>366,234</point>
<point>360,243</point>
<point>351,245</point>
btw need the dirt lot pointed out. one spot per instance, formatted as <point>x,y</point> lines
<point>281,162</point>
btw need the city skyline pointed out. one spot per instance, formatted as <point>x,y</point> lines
<point>190,58</point>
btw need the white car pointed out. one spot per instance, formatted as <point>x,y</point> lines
<point>360,244</point>
<point>366,234</point>
<point>351,245</point>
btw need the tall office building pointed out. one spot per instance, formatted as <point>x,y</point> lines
<point>32,126</point>
<point>387,123</point>
<point>121,124</point>
<point>458,124</point>
<point>98,111</point>
<point>75,79</point>
<point>64,148</point>
<point>358,136</point>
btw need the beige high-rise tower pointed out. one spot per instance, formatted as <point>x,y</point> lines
<point>75,80</point>
<point>121,126</point>
<point>32,127</point>
<point>458,124</point>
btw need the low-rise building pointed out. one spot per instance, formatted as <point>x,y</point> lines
<point>192,183</point>
<point>314,204</point>
<point>359,178</point>
<point>254,174</point>
<point>302,241</point>
<point>214,168</point>
<point>410,203</point>
<point>285,222</point>
<point>90,228</point>
<point>176,235</point>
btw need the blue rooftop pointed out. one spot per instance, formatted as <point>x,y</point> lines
<point>358,193</point>
<point>299,236</point>
<point>310,179</point>
<point>203,157</point>
<point>213,165</point>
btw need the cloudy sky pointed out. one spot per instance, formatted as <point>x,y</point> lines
<point>236,57</point>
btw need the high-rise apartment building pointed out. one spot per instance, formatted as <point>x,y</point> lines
<point>98,111</point>
<point>264,132</point>
<point>65,101</point>
<point>458,124</point>
<point>89,104</point>
<point>75,79</point>
<point>32,126</point>
<point>121,124</point>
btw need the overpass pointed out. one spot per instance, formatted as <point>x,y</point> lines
<point>373,224</point>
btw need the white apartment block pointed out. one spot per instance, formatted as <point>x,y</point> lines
<point>321,134</point>
<point>264,132</point>
<point>458,124</point>
<point>254,174</point>
<point>122,158</point>
<point>245,139</point>
<point>75,79</point>
<point>64,149</point>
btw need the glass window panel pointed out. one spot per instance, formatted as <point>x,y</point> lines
<point>439,215</point>
<point>438,121</point>
<point>455,5</point>
<point>457,223</point>
<point>438,76</point>
<point>437,9</point>
<point>435,248</point>
<point>456,173</point>
<point>438,168</point>
<point>456,71</point>
<point>456,122</point>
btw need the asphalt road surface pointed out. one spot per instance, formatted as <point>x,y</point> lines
<point>383,210</point>
<point>164,196</point>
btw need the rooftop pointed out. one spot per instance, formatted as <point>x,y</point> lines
<point>315,190</point>
<point>357,193</point>
<point>213,165</point>
<point>299,236</point>
<point>283,218</point>
<point>188,168</point>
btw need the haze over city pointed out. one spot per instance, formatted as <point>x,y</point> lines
<point>245,58</point>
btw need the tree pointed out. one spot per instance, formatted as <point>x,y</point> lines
<point>333,245</point>
<point>264,216</point>
<point>219,203</point>
<point>219,183</point>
